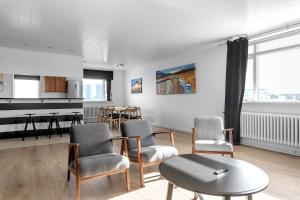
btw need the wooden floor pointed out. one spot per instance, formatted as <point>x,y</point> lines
<point>39,173</point>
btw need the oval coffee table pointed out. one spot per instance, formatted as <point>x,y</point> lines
<point>197,173</point>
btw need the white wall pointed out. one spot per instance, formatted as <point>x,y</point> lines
<point>19,61</point>
<point>178,111</point>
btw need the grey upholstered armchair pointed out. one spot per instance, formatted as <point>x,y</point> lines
<point>141,145</point>
<point>208,136</point>
<point>91,154</point>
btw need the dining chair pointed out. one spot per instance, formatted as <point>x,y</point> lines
<point>129,113</point>
<point>142,148</point>
<point>112,117</point>
<point>91,154</point>
<point>209,136</point>
<point>138,113</point>
<point>102,115</point>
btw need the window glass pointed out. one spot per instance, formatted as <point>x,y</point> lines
<point>278,43</point>
<point>94,90</point>
<point>26,88</point>
<point>279,76</point>
<point>250,49</point>
<point>249,89</point>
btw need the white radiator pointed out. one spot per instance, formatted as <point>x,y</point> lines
<point>91,114</point>
<point>274,129</point>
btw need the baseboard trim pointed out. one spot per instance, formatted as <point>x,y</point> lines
<point>271,146</point>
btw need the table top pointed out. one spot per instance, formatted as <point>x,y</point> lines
<point>196,173</point>
<point>120,108</point>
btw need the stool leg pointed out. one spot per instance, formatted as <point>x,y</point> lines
<point>73,121</point>
<point>78,120</point>
<point>50,128</point>
<point>34,130</point>
<point>25,130</point>
<point>58,127</point>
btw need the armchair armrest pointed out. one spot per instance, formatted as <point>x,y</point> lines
<point>73,147</point>
<point>136,136</point>
<point>230,130</point>
<point>124,150</point>
<point>139,145</point>
<point>73,144</point>
<point>171,133</point>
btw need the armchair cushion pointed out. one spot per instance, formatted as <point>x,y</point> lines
<point>93,139</point>
<point>93,165</point>
<point>138,128</point>
<point>213,145</point>
<point>209,128</point>
<point>154,153</point>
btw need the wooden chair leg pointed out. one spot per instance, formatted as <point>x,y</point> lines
<point>231,155</point>
<point>77,188</point>
<point>141,169</point>
<point>68,174</point>
<point>127,180</point>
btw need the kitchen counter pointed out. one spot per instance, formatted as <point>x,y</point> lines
<point>13,110</point>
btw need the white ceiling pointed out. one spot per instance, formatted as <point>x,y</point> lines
<point>108,32</point>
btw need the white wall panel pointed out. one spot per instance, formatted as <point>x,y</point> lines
<point>178,111</point>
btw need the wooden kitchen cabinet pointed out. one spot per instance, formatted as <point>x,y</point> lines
<point>55,84</point>
<point>61,84</point>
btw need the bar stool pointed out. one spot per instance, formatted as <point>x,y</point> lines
<point>75,118</point>
<point>53,119</point>
<point>29,120</point>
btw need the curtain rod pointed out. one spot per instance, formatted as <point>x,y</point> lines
<point>285,27</point>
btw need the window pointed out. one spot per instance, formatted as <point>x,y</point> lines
<point>249,87</point>
<point>97,85</point>
<point>94,90</point>
<point>273,70</point>
<point>26,86</point>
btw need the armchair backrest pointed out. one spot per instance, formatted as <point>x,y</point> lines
<point>93,139</point>
<point>138,128</point>
<point>209,128</point>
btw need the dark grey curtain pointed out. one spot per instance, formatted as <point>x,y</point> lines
<point>236,67</point>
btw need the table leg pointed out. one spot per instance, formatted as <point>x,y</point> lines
<point>170,191</point>
<point>250,197</point>
<point>196,195</point>
<point>227,197</point>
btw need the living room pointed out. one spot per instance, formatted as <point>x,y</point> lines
<point>149,99</point>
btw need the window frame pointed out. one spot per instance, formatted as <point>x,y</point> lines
<point>255,59</point>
